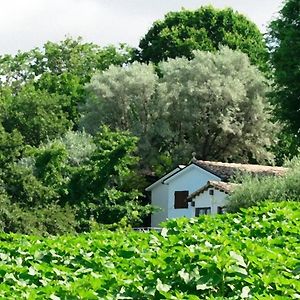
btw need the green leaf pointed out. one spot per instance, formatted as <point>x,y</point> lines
<point>162,287</point>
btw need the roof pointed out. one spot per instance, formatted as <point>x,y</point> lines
<point>165,177</point>
<point>227,170</point>
<point>222,186</point>
<point>223,171</point>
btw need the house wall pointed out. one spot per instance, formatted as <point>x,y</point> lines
<point>213,201</point>
<point>189,179</point>
<point>158,199</point>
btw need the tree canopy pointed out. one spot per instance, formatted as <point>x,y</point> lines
<point>214,104</point>
<point>85,173</point>
<point>54,180</point>
<point>284,43</point>
<point>38,115</point>
<point>179,33</point>
<point>62,68</point>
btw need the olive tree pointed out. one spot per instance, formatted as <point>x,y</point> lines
<point>126,98</point>
<point>217,107</point>
<point>214,104</point>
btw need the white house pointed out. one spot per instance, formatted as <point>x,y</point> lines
<point>198,188</point>
<point>211,198</point>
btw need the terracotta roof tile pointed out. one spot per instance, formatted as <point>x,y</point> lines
<point>222,186</point>
<point>227,170</point>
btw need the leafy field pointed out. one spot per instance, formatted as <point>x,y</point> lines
<point>252,255</point>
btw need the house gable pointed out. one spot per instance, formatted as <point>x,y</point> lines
<point>160,180</point>
<point>197,181</point>
<point>210,201</point>
<point>187,169</point>
<point>225,187</point>
<point>179,181</point>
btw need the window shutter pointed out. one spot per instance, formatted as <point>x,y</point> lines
<point>181,199</point>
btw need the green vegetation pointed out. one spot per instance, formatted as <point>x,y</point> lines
<point>214,104</point>
<point>254,254</point>
<point>284,43</point>
<point>82,176</point>
<point>206,29</point>
<point>37,115</point>
<point>201,92</point>
<point>60,68</point>
<point>255,190</point>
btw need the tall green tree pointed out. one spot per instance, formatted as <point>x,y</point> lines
<point>38,115</point>
<point>62,68</point>
<point>206,28</point>
<point>11,148</point>
<point>284,43</point>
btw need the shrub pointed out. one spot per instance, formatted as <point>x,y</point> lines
<point>254,190</point>
<point>51,219</point>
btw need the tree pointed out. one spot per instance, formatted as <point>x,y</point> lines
<point>37,115</point>
<point>125,98</point>
<point>204,29</point>
<point>214,104</point>
<point>284,43</point>
<point>217,107</point>
<point>11,148</point>
<point>85,173</point>
<point>62,68</point>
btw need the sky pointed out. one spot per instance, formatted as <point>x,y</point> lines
<point>25,24</point>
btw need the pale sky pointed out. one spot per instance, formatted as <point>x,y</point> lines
<point>25,24</point>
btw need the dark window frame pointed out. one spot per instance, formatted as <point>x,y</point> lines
<point>205,209</point>
<point>221,210</point>
<point>180,199</point>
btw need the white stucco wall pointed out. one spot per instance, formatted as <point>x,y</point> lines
<point>213,201</point>
<point>189,179</point>
<point>158,199</point>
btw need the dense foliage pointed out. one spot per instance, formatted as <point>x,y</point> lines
<point>46,219</point>
<point>55,178</point>
<point>125,98</point>
<point>284,43</point>
<point>254,190</point>
<point>60,68</point>
<point>214,104</point>
<point>83,176</point>
<point>36,114</point>
<point>179,33</point>
<point>254,254</point>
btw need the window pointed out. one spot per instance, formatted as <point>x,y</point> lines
<point>181,199</point>
<point>211,192</point>
<point>202,211</point>
<point>221,210</point>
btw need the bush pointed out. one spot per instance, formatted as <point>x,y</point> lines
<point>48,220</point>
<point>254,190</point>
